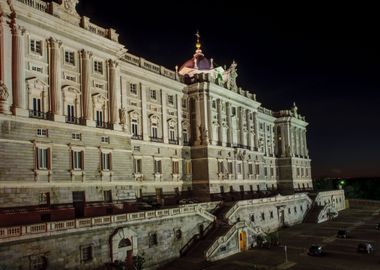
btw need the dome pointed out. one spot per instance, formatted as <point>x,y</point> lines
<point>202,63</point>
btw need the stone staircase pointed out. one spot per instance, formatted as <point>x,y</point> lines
<point>194,256</point>
<point>313,214</point>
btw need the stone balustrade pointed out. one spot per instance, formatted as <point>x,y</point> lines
<point>36,4</point>
<point>8,234</point>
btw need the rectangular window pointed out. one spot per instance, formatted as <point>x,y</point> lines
<point>98,66</point>
<point>250,168</point>
<point>70,57</point>
<point>86,254</point>
<point>154,131</point>
<point>70,113</point>
<point>153,94</point>
<point>262,216</point>
<point>295,209</point>
<point>134,127</point>
<point>107,195</point>
<point>175,167</point>
<point>171,99</point>
<point>77,160</point>
<point>99,118</point>
<point>257,169</point>
<point>42,132</point>
<point>184,103</point>
<point>230,167</point>
<point>137,166</point>
<point>238,167</point>
<point>157,166</point>
<point>133,88</point>
<point>43,155</point>
<point>289,211</point>
<point>36,103</point>
<point>265,171</point>
<point>36,46</point>
<point>76,136</point>
<point>171,134</point>
<point>153,239</point>
<point>271,214</point>
<point>106,161</point>
<point>184,136</point>
<point>220,167</point>
<point>105,139</point>
<point>271,172</point>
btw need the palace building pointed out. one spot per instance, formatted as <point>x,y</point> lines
<point>84,124</point>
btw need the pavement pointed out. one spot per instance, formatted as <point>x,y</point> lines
<point>341,254</point>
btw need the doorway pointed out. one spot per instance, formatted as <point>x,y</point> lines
<point>243,241</point>
<point>79,203</point>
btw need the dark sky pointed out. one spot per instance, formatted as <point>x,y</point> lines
<point>325,58</point>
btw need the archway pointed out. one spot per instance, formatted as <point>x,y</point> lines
<point>126,249</point>
<point>123,245</point>
<point>243,241</point>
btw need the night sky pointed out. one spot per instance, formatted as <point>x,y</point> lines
<point>325,58</point>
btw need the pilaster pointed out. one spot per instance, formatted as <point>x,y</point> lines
<point>144,116</point>
<point>85,87</point>
<point>164,117</point>
<point>113,93</point>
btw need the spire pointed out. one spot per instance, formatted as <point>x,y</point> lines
<point>198,44</point>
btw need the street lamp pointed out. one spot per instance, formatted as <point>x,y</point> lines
<point>286,253</point>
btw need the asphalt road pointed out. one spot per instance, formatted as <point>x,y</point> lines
<point>341,253</point>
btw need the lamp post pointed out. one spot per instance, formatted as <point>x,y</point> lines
<point>286,253</point>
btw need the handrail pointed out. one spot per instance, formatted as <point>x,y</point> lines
<point>189,243</point>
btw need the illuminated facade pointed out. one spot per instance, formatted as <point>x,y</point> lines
<point>84,121</point>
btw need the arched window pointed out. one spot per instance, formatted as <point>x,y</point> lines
<point>125,242</point>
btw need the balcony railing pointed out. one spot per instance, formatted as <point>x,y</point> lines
<point>105,125</point>
<point>75,120</point>
<point>173,141</point>
<point>155,139</point>
<point>40,115</point>
<point>137,137</point>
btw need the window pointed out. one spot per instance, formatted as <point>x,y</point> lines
<point>77,160</point>
<point>175,167</point>
<point>37,68</point>
<point>99,118</point>
<point>105,139</point>
<point>36,46</point>
<point>178,234</point>
<point>98,67</point>
<point>271,172</point>
<point>171,99</point>
<point>253,218</point>
<point>42,132</point>
<point>38,262</point>
<point>214,104</point>
<point>271,214</point>
<point>262,216</point>
<point>233,111</point>
<point>172,134</point>
<point>153,239</point>
<point>106,161</point>
<point>257,169</point>
<point>230,167</point>
<point>43,156</point>
<point>70,113</point>
<point>137,166</point>
<point>220,167</point>
<point>70,57</point>
<point>295,209</point>
<point>86,254</point>
<point>250,168</point>
<point>134,127</point>
<point>154,131</point>
<point>289,211</point>
<point>238,168</point>
<point>301,208</point>
<point>44,198</point>
<point>184,103</point>
<point>133,88</point>
<point>265,171</point>
<point>153,94</point>
<point>76,136</point>
<point>184,136</point>
<point>36,103</point>
<point>107,195</point>
<point>157,166</point>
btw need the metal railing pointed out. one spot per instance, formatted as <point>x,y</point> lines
<point>137,137</point>
<point>156,139</point>
<point>173,141</point>
<point>40,115</point>
<point>75,120</point>
<point>105,125</point>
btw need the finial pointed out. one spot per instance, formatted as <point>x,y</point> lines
<point>198,44</point>
<point>176,69</point>
<point>295,108</point>
<point>211,63</point>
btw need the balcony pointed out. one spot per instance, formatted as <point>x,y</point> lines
<point>137,137</point>
<point>156,139</point>
<point>104,125</point>
<point>173,141</point>
<point>75,120</point>
<point>40,115</point>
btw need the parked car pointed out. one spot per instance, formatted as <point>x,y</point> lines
<point>365,248</point>
<point>342,234</point>
<point>378,226</point>
<point>143,206</point>
<point>316,250</point>
<point>188,201</point>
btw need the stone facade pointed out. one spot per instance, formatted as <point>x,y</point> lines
<point>79,113</point>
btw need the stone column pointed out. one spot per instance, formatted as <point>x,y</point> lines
<point>179,119</point>
<point>85,87</point>
<point>164,117</point>
<point>283,141</point>
<point>305,144</point>
<point>19,106</point>
<point>229,124</point>
<point>241,126</point>
<point>113,94</point>
<point>198,127</point>
<point>220,125</point>
<point>55,80</point>
<point>209,121</point>
<point>249,130</point>
<point>144,117</point>
<point>256,135</point>
<point>4,94</point>
<point>204,118</point>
